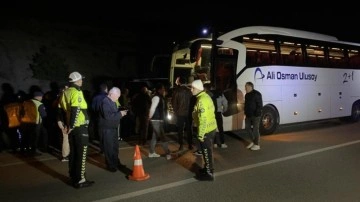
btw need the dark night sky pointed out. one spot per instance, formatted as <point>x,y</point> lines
<point>180,20</point>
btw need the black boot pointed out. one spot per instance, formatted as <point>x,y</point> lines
<point>205,176</point>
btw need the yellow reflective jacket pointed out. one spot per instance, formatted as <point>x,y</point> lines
<point>71,98</point>
<point>37,104</point>
<point>204,115</point>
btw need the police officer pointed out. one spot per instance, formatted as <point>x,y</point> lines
<point>204,118</point>
<point>77,120</point>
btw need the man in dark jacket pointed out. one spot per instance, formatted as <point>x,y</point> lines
<point>181,104</point>
<point>253,107</point>
<point>95,107</point>
<point>109,120</point>
<point>141,103</point>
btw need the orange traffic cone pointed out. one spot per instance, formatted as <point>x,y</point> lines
<point>138,170</point>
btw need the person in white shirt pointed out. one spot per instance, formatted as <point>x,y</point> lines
<point>157,118</point>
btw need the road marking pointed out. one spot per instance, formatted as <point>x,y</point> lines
<point>225,172</point>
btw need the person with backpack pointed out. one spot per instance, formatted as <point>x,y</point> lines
<point>10,116</point>
<point>221,105</point>
<point>32,114</point>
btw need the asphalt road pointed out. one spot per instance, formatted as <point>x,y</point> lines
<point>304,162</point>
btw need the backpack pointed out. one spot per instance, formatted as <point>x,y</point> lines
<point>13,114</point>
<point>28,112</point>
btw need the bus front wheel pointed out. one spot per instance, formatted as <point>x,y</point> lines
<point>269,120</point>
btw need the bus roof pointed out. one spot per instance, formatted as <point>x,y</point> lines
<point>275,31</point>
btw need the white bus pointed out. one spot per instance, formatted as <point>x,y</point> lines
<point>303,76</point>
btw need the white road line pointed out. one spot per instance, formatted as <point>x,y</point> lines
<point>225,172</point>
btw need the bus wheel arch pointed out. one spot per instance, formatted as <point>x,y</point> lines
<point>355,112</point>
<point>269,121</point>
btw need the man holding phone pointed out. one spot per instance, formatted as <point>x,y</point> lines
<point>110,116</point>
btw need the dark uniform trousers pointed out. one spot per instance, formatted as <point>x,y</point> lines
<point>207,151</point>
<point>78,141</point>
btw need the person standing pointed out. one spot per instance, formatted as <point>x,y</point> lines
<point>204,119</point>
<point>41,129</point>
<point>95,106</point>
<point>109,120</point>
<point>61,120</point>
<point>77,120</point>
<point>126,121</point>
<point>252,109</point>
<point>32,117</point>
<point>181,104</point>
<point>221,105</point>
<point>141,103</point>
<point>10,116</point>
<point>157,118</point>
<point>124,98</point>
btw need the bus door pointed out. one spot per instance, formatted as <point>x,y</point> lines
<point>221,73</point>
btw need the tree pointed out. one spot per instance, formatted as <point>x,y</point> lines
<point>47,65</point>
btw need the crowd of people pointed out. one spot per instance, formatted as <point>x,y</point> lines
<point>66,119</point>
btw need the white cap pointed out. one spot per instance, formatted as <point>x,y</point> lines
<point>197,84</point>
<point>75,76</point>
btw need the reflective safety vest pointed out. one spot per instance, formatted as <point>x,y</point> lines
<point>13,114</point>
<point>37,104</point>
<point>73,97</point>
<point>204,114</point>
<point>30,111</point>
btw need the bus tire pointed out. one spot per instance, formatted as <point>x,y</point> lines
<point>269,121</point>
<point>355,112</point>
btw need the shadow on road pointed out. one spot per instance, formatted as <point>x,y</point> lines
<point>36,163</point>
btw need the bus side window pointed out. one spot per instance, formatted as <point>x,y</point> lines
<point>250,58</point>
<point>290,59</point>
<point>321,62</point>
<point>337,57</point>
<point>274,58</point>
<point>333,62</point>
<point>311,60</point>
<point>354,61</point>
<point>264,58</point>
<point>315,55</point>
